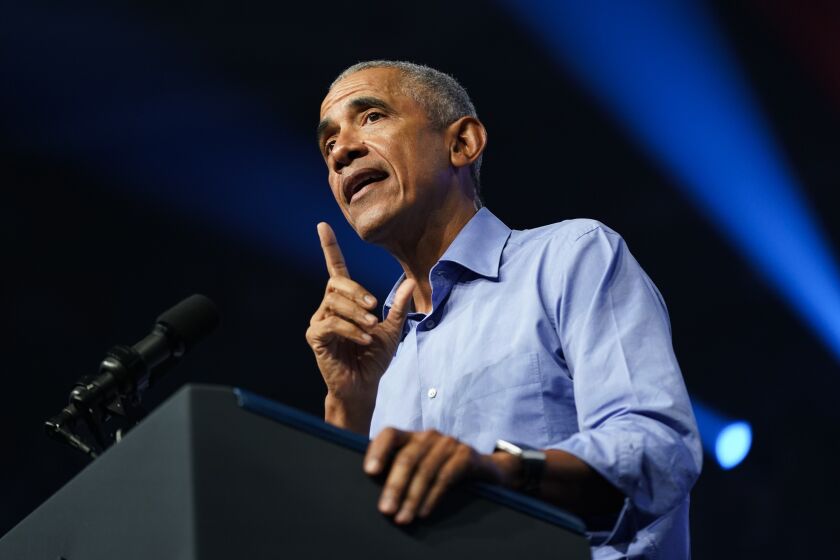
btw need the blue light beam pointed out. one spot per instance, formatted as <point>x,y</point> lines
<point>661,69</point>
<point>728,441</point>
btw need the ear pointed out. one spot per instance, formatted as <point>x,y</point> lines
<point>467,138</point>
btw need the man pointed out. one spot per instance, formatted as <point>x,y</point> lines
<point>553,338</point>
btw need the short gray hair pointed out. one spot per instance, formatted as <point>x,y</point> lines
<point>443,98</point>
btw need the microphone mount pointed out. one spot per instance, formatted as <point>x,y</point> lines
<point>104,406</point>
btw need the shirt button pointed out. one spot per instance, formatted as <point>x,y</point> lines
<point>432,393</point>
<point>430,323</point>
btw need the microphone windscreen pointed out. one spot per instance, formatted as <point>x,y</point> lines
<point>191,320</point>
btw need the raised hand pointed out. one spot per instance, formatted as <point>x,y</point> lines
<point>352,347</point>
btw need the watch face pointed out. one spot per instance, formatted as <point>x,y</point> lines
<point>533,455</point>
<point>508,447</point>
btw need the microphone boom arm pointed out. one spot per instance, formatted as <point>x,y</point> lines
<point>124,376</point>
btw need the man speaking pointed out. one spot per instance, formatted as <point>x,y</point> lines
<point>540,359</point>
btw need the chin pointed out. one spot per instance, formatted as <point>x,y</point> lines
<point>373,225</point>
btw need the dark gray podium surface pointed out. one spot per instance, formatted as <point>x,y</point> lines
<point>220,473</point>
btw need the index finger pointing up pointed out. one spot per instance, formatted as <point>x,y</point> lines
<point>332,252</point>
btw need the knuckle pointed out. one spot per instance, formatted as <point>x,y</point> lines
<point>405,459</point>
<point>335,285</point>
<point>422,476</point>
<point>463,451</point>
<point>430,434</point>
<point>392,490</point>
<point>450,441</point>
<point>315,333</point>
<point>333,324</point>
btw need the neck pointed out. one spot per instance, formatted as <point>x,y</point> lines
<point>417,254</point>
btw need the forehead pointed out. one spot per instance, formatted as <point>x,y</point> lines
<point>383,83</point>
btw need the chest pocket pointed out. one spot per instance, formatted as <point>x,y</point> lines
<point>501,400</point>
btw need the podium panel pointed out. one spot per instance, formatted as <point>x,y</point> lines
<point>220,473</point>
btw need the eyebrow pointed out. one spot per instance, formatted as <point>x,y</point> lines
<point>322,128</point>
<point>357,104</point>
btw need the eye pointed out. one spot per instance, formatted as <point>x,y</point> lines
<point>328,148</point>
<point>373,116</point>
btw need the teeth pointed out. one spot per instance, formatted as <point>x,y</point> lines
<point>366,181</point>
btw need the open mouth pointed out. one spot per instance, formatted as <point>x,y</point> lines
<point>357,184</point>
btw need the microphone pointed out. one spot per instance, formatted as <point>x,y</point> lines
<point>127,371</point>
<point>132,370</point>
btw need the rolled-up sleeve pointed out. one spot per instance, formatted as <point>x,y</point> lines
<point>636,424</point>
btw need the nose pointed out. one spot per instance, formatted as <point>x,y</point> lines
<point>347,148</point>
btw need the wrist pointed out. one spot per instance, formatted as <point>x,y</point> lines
<point>530,465</point>
<point>353,415</point>
<point>509,469</point>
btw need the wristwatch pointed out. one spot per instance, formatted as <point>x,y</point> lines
<point>532,461</point>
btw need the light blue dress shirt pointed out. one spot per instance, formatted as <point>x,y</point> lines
<point>556,338</point>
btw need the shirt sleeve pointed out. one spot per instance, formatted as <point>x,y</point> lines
<point>637,428</point>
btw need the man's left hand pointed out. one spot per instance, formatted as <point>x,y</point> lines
<point>422,466</point>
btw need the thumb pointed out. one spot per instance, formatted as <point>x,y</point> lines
<point>400,305</point>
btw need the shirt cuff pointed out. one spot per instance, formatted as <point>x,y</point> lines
<point>615,459</point>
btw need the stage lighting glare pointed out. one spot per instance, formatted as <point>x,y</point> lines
<point>732,444</point>
<point>729,440</point>
<point>666,73</point>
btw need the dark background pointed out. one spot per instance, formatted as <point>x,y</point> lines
<point>94,250</point>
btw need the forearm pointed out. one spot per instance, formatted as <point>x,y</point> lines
<point>353,416</point>
<point>567,482</point>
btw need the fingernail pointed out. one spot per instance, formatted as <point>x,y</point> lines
<point>387,504</point>
<point>368,300</point>
<point>404,516</point>
<point>370,318</point>
<point>372,466</point>
<point>366,337</point>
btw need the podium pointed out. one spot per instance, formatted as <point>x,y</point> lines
<point>217,472</point>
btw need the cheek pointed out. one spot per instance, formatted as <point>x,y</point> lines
<point>430,161</point>
<point>396,154</point>
<point>417,158</point>
<point>420,157</point>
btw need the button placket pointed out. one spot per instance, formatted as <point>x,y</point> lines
<point>429,382</point>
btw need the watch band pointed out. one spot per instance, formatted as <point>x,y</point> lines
<point>532,461</point>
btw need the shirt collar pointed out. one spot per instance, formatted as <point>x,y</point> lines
<point>477,247</point>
